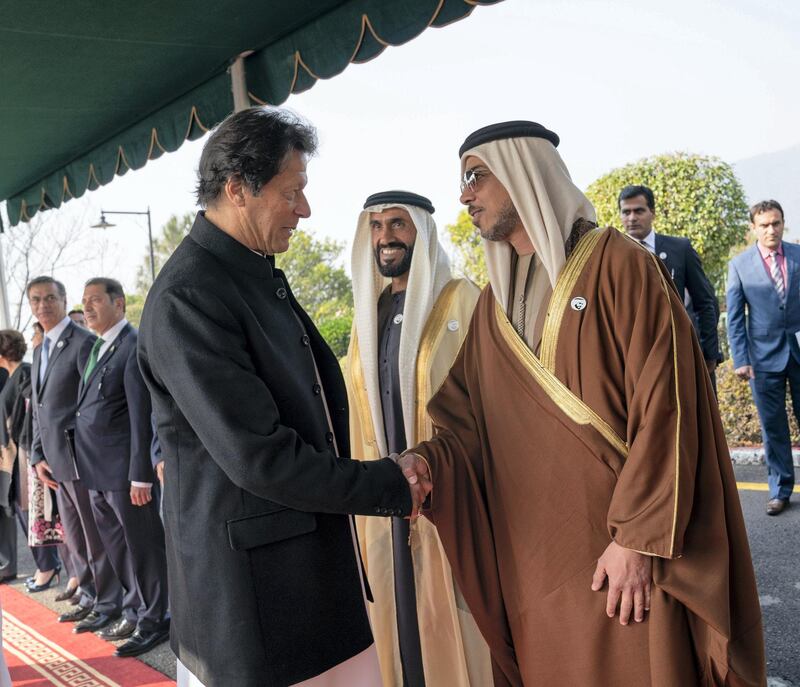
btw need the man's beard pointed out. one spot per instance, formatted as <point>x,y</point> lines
<point>395,269</point>
<point>507,220</point>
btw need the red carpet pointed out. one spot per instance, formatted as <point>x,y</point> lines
<point>41,652</point>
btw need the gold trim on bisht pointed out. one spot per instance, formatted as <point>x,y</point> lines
<point>359,391</point>
<point>572,406</point>
<point>559,301</point>
<point>431,335</point>
<point>666,288</point>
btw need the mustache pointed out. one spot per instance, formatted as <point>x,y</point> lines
<point>393,244</point>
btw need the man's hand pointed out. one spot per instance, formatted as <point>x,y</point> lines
<point>745,372</point>
<point>160,472</point>
<point>141,496</point>
<point>711,365</point>
<point>630,575</point>
<point>419,480</point>
<point>45,474</point>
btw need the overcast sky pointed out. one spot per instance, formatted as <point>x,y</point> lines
<point>617,79</point>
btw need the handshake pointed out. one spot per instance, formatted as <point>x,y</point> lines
<point>415,470</point>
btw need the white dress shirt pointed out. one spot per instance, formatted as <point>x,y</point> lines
<point>649,242</point>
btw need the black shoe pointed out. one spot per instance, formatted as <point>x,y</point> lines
<point>74,616</point>
<point>67,594</point>
<point>34,588</point>
<point>142,641</point>
<point>122,629</point>
<point>93,622</point>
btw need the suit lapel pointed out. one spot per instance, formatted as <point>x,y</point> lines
<point>55,352</point>
<point>757,266</point>
<point>103,360</point>
<point>790,256</point>
<point>37,363</point>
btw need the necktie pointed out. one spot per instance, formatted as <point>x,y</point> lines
<point>45,358</point>
<point>777,276</point>
<point>92,359</point>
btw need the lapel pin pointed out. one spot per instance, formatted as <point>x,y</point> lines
<point>60,344</point>
<point>453,325</point>
<point>662,255</point>
<point>578,303</point>
<point>398,318</point>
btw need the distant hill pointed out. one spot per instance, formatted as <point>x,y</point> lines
<point>775,175</point>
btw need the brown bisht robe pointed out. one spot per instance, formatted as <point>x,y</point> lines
<point>611,432</point>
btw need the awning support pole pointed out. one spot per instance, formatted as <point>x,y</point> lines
<point>241,101</point>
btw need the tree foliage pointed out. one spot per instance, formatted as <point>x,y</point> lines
<point>697,197</point>
<point>48,244</point>
<point>320,285</point>
<point>470,259</point>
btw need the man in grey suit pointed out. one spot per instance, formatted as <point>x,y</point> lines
<point>55,374</point>
<point>112,449</point>
<point>763,322</point>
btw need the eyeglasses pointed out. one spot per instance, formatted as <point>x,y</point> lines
<point>471,179</point>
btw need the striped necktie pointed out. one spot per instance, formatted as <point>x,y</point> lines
<point>777,276</point>
<point>92,359</point>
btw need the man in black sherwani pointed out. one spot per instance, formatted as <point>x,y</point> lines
<point>266,586</point>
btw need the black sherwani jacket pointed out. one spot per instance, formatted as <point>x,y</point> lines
<point>264,579</point>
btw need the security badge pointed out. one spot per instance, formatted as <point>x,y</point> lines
<point>398,318</point>
<point>578,303</point>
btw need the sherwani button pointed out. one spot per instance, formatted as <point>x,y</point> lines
<point>317,389</point>
<point>329,437</point>
<point>281,293</point>
<point>305,340</point>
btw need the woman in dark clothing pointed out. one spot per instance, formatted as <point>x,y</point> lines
<point>17,481</point>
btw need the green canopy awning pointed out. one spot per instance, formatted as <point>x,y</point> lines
<point>92,89</point>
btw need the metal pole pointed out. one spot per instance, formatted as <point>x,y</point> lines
<point>241,100</point>
<point>150,237</point>
<point>5,318</point>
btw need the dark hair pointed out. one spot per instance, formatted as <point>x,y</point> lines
<point>632,191</point>
<point>112,286</point>
<point>765,206</point>
<point>38,327</point>
<point>252,145</point>
<point>46,280</point>
<point>12,345</point>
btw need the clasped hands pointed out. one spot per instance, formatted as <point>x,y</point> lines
<point>415,470</point>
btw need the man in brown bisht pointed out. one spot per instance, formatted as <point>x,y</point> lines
<point>579,466</point>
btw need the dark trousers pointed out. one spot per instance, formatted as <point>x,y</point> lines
<point>769,394</point>
<point>133,537</point>
<point>98,582</point>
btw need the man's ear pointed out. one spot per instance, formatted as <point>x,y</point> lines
<point>234,190</point>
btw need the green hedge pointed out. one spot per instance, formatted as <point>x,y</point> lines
<point>738,411</point>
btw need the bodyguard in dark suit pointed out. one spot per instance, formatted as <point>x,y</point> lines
<point>56,371</point>
<point>637,211</point>
<point>763,321</point>
<point>266,586</point>
<point>112,449</point>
